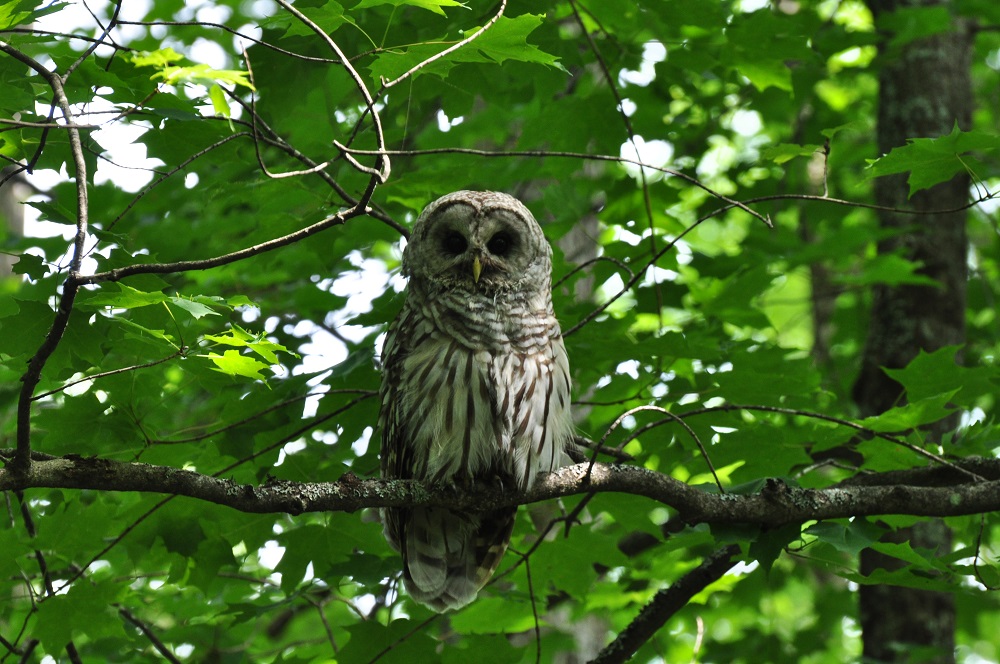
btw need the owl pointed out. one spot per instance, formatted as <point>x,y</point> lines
<point>475,386</point>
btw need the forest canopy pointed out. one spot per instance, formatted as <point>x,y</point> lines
<point>776,283</point>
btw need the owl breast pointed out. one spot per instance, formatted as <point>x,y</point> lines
<point>480,401</point>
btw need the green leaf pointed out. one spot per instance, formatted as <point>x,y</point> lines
<point>484,649</point>
<point>240,338</point>
<point>234,364</point>
<point>219,102</point>
<point>403,638</point>
<point>765,46</point>
<point>784,152</point>
<point>435,6</point>
<point>142,332</point>
<point>505,40</point>
<point>303,546</point>
<point>912,415</point>
<point>164,60</point>
<point>328,16</point>
<point>54,212</point>
<point>890,270</point>
<point>196,309</point>
<point>938,372</point>
<point>931,161</point>
<point>240,301</point>
<point>126,297</point>
<point>491,615</point>
<point>85,610</point>
<point>30,265</point>
<point>850,537</point>
<point>25,12</point>
<point>767,547</point>
<point>159,59</point>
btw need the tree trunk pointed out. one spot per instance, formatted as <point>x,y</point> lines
<point>924,89</point>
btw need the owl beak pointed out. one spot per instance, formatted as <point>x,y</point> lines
<point>477,269</point>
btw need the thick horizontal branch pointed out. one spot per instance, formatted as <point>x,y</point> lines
<point>775,504</point>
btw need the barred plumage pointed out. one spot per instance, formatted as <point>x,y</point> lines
<point>475,388</point>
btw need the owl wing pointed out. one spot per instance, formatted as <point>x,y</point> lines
<point>395,448</point>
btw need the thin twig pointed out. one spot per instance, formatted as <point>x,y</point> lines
<point>612,84</point>
<point>847,423</point>
<point>99,42</point>
<point>224,259</point>
<point>382,165</point>
<point>234,32</point>
<point>180,352</point>
<point>562,154</point>
<point>451,49</point>
<point>179,167</point>
<point>584,265</point>
<point>148,633</point>
<point>259,414</point>
<point>635,278</point>
<point>671,416</point>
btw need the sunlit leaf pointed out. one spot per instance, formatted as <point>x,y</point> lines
<point>436,6</point>
<point>235,364</point>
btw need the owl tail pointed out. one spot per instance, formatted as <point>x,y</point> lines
<point>449,556</point>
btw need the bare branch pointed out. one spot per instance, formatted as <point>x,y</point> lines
<point>31,377</point>
<point>99,41</point>
<point>225,259</point>
<point>148,633</point>
<point>235,33</point>
<point>180,351</point>
<point>896,440</point>
<point>573,155</point>
<point>179,167</point>
<point>382,164</point>
<point>775,504</point>
<point>665,604</point>
<point>612,84</point>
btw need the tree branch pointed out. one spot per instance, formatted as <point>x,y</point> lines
<point>225,259</point>
<point>774,504</point>
<point>665,604</point>
<point>33,374</point>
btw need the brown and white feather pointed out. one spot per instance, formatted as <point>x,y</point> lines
<point>476,386</point>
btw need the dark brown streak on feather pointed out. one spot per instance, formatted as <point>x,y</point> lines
<point>470,413</point>
<point>549,385</point>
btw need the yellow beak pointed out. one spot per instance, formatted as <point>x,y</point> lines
<point>477,269</point>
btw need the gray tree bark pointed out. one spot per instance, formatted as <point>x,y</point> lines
<point>924,89</point>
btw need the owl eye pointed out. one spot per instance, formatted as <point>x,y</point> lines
<point>500,244</point>
<point>454,243</point>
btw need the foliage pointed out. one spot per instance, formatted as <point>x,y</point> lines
<point>234,264</point>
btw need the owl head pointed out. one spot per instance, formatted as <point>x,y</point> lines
<point>482,241</point>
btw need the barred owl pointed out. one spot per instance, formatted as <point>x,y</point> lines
<point>475,385</point>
